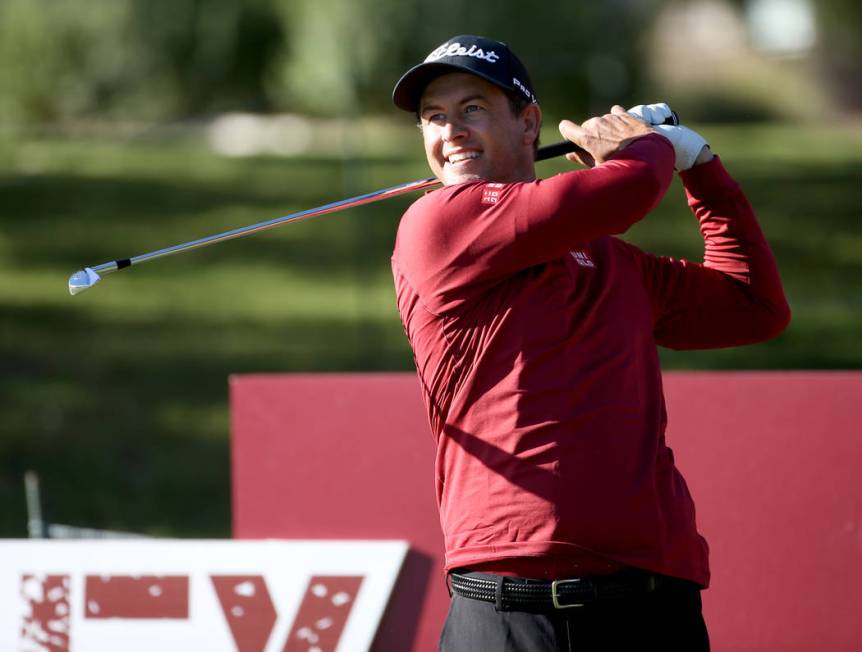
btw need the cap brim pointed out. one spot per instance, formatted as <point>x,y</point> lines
<point>408,91</point>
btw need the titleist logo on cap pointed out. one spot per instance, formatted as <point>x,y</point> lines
<point>457,50</point>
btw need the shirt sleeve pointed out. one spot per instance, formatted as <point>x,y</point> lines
<point>454,243</point>
<point>735,296</point>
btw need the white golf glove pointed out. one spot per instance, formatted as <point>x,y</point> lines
<point>654,114</point>
<point>687,144</point>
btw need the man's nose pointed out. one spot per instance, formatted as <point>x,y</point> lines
<point>453,129</point>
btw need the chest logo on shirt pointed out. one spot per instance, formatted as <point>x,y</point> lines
<point>582,258</point>
<point>491,193</point>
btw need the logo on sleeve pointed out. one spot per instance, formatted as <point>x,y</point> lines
<point>491,193</point>
<point>582,258</point>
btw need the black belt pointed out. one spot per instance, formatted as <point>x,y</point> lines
<point>515,593</point>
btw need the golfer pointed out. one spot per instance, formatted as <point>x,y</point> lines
<point>534,333</point>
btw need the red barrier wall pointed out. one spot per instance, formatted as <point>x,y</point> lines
<point>772,460</point>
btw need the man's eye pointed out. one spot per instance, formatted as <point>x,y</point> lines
<point>436,117</point>
<point>470,108</point>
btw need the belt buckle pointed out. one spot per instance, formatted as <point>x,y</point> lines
<point>555,598</point>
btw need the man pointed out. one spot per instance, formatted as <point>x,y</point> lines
<point>534,334</point>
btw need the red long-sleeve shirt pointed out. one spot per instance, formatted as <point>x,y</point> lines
<point>534,335</point>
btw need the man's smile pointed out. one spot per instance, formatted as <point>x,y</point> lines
<point>461,156</point>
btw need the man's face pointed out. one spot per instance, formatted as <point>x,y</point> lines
<point>471,134</point>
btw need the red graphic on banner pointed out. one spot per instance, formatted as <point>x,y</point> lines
<point>137,596</point>
<point>248,609</point>
<point>45,625</point>
<point>323,613</point>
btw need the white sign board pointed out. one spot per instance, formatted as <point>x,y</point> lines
<point>191,595</point>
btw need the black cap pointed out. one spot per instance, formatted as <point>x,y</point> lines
<point>490,60</point>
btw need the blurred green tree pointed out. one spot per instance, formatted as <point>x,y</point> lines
<point>839,49</point>
<point>337,51</point>
<point>207,56</point>
<point>61,59</point>
<point>344,55</point>
<point>155,59</point>
<point>164,59</point>
<point>137,59</point>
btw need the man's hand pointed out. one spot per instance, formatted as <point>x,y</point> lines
<point>603,136</point>
<point>689,146</point>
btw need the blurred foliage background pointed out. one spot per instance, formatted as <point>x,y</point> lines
<point>131,125</point>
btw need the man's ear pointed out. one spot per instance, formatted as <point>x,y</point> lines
<point>531,118</point>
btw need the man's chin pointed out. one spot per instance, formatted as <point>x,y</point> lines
<point>453,178</point>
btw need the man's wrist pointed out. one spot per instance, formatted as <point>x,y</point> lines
<point>705,156</point>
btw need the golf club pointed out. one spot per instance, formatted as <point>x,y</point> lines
<point>86,278</point>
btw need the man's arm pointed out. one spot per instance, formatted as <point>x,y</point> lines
<point>455,242</point>
<point>735,296</point>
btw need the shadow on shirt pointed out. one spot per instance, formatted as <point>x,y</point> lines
<point>530,472</point>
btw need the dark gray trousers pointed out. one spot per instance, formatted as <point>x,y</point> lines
<point>669,619</point>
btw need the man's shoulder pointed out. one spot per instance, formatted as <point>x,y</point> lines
<point>617,246</point>
<point>438,197</point>
<point>452,218</point>
<point>473,196</point>
<point>439,207</point>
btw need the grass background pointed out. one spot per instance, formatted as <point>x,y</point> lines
<point>118,397</point>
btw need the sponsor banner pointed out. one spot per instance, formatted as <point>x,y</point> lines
<point>771,458</point>
<point>189,595</point>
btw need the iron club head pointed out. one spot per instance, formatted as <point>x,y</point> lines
<point>82,280</point>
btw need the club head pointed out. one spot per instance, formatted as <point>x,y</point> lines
<point>82,280</point>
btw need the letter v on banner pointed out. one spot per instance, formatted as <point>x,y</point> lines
<point>319,621</point>
<point>323,613</point>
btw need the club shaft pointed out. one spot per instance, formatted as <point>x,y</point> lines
<point>114,265</point>
<point>544,153</point>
